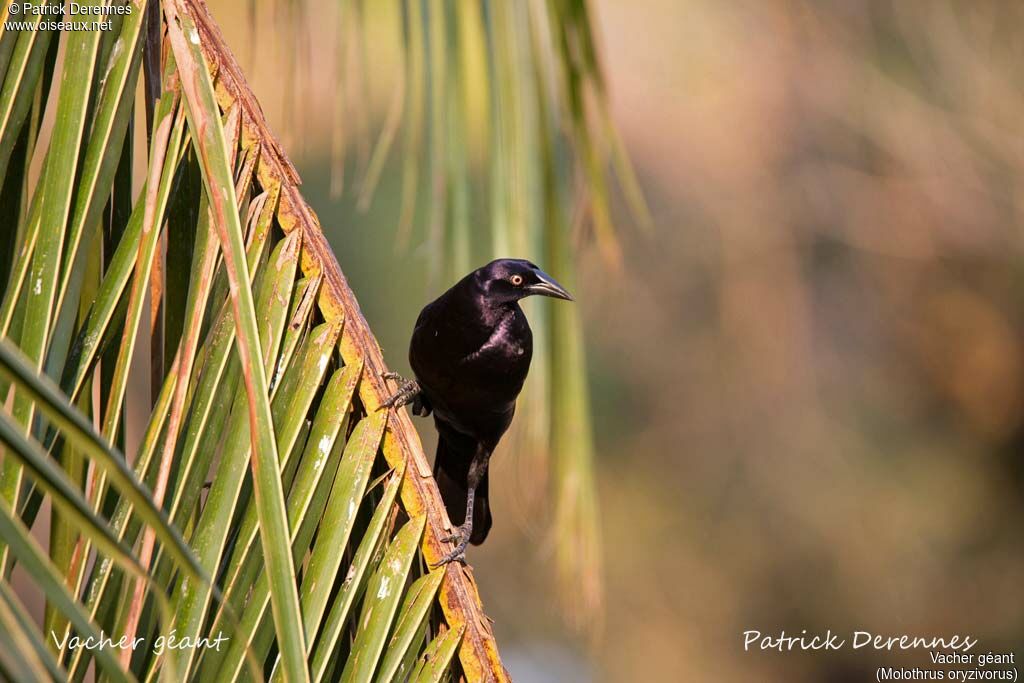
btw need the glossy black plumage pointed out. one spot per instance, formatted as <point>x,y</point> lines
<point>471,351</point>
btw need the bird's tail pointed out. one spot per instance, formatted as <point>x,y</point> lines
<point>451,470</point>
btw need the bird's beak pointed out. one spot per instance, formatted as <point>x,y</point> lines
<point>548,287</point>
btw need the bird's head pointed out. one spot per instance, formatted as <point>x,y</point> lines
<point>507,280</point>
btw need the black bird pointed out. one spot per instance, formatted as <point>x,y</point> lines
<point>470,351</point>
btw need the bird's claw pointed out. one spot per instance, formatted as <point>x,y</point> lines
<point>457,555</point>
<point>461,539</point>
<point>408,389</point>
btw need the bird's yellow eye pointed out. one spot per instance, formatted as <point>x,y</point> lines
<point>516,280</point>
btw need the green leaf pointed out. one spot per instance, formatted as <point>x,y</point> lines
<point>14,617</point>
<point>66,498</point>
<point>246,558</point>
<point>205,123</point>
<point>340,516</point>
<point>49,579</point>
<point>211,533</point>
<point>103,146</point>
<point>433,665</point>
<point>216,380</point>
<point>381,601</point>
<point>411,619</point>
<point>306,503</point>
<point>75,426</point>
<point>315,595</point>
<point>20,655</point>
<point>19,85</point>
<point>55,206</point>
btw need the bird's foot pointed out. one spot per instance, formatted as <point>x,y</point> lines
<point>408,390</point>
<point>461,539</point>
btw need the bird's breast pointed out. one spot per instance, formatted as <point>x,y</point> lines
<point>458,362</point>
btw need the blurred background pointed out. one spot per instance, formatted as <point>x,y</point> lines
<point>806,379</point>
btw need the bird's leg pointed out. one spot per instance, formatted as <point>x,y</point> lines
<point>408,391</point>
<point>477,470</point>
<point>465,530</point>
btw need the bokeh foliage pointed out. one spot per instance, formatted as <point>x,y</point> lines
<point>506,147</point>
